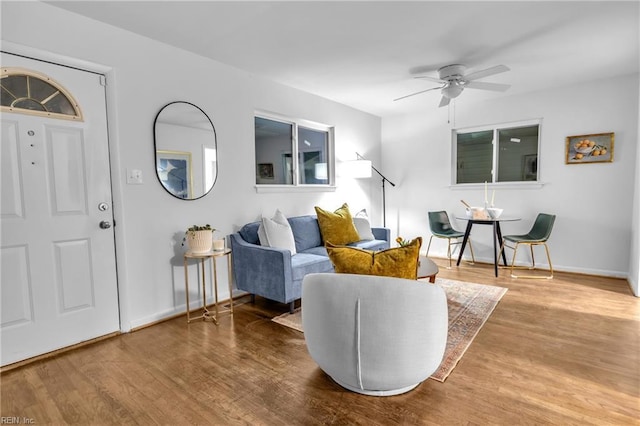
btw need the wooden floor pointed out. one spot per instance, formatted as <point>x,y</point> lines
<point>564,352</point>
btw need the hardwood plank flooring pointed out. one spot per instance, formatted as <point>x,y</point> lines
<point>564,351</point>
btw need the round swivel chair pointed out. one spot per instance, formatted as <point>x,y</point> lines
<point>374,335</point>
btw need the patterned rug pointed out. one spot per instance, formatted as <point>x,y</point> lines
<point>470,305</point>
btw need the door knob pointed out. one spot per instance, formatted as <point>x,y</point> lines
<point>105,224</point>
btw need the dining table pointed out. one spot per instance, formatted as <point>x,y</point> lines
<point>497,235</point>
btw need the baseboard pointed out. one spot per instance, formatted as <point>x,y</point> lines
<point>157,317</point>
<point>47,355</point>
<point>556,268</point>
<point>175,312</point>
<point>587,271</point>
<point>633,285</point>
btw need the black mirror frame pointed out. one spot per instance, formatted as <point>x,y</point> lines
<point>155,144</point>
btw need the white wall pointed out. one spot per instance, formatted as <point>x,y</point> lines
<point>144,76</point>
<point>593,202</point>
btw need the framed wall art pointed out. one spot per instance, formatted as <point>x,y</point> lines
<point>265,171</point>
<point>595,148</point>
<point>174,171</point>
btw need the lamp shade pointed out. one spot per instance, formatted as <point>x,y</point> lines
<point>452,91</point>
<point>321,171</point>
<point>356,169</point>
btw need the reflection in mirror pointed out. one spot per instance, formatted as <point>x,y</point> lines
<point>186,150</point>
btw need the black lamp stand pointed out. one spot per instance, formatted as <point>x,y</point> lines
<point>384,180</point>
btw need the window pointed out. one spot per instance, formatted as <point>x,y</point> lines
<point>33,93</point>
<point>502,153</point>
<point>293,152</point>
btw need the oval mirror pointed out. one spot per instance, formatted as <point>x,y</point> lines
<point>186,150</point>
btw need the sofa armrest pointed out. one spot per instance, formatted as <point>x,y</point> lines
<point>261,270</point>
<point>382,234</point>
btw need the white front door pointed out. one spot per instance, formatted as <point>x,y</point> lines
<point>58,269</point>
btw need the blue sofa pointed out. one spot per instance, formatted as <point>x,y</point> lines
<point>277,275</point>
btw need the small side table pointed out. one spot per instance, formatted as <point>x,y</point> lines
<point>427,269</point>
<point>212,255</point>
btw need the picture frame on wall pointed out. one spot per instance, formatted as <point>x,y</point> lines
<point>175,173</point>
<point>265,170</point>
<point>593,148</point>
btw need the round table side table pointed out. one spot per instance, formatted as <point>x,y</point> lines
<point>212,256</point>
<point>427,269</point>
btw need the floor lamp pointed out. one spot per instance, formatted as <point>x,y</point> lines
<point>361,168</point>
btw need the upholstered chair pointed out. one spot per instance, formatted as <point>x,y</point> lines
<point>537,236</point>
<point>374,335</point>
<point>440,227</point>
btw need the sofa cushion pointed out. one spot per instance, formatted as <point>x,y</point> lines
<point>276,232</point>
<point>305,263</point>
<point>306,232</point>
<point>364,244</point>
<point>370,244</point>
<point>337,227</point>
<point>363,225</point>
<point>318,251</point>
<point>249,232</point>
<point>400,262</point>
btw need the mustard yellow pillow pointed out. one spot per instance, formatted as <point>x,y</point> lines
<point>399,262</point>
<point>337,228</point>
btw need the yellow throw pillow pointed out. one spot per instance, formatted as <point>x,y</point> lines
<point>399,262</point>
<point>337,228</point>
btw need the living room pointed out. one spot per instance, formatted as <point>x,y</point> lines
<point>596,233</point>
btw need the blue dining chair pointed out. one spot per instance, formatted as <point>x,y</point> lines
<point>441,228</point>
<point>538,235</point>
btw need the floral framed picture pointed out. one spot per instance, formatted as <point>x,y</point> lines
<point>595,148</point>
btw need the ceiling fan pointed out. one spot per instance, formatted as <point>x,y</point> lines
<point>453,81</point>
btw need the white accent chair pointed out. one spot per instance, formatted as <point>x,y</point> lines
<point>374,335</point>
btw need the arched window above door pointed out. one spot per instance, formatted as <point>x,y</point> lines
<point>29,92</point>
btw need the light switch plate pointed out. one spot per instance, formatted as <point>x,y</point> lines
<point>134,177</point>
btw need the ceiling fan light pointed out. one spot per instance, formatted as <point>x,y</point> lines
<point>452,91</point>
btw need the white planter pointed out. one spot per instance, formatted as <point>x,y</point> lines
<point>199,241</point>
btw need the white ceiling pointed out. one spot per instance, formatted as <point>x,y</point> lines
<point>365,53</point>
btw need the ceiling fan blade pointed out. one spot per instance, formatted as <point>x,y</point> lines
<point>428,77</point>
<point>444,102</point>
<point>497,87</point>
<point>486,73</point>
<point>417,93</point>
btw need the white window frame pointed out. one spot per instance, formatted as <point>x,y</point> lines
<point>296,186</point>
<point>495,128</point>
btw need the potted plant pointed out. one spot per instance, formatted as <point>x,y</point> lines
<point>199,238</point>
<point>402,242</point>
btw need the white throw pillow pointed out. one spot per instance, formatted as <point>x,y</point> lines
<point>276,232</point>
<point>363,226</point>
